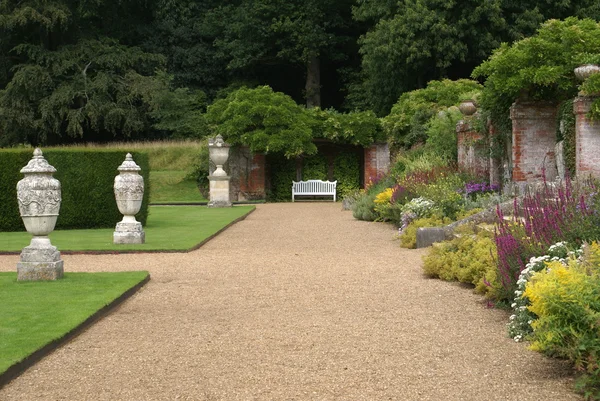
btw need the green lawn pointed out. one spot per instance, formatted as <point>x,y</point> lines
<point>169,228</point>
<point>172,187</point>
<point>34,314</point>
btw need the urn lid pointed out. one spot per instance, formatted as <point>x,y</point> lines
<point>129,164</point>
<point>217,142</point>
<point>38,164</point>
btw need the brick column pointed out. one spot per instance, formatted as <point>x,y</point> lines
<point>377,161</point>
<point>471,157</point>
<point>533,140</point>
<point>495,163</point>
<point>587,138</point>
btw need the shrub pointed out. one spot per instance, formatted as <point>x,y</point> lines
<point>346,170</point>
<point>566,300</point>
<point>408,238</point>
<point>408,120</point>
<point>519,327</point>
<point>467,259</point>
<point>87,178</point>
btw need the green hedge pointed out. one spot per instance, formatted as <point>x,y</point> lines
<point>86,178</point>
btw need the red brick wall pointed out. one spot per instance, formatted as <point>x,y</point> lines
<point>587,139</point>
<point>252,179</point>
<point>533,141</point>
<point>376,161</point>
<point>471,156</point>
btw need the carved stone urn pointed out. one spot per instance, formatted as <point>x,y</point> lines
<point>38,195</point>
<point>467,107</point>
<point>129,193</point>
<point>583,72</point>
<point>218,152</point>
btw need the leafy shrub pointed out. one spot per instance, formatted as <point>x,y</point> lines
<point>408,238</point>
<point>467,259</point>
<point>441,133</point>
<point>566,300</point>
<point>364,208</point>
<point>87,179</point>
<point>283,172</point>
<point>314,167</point>
<point>407,123</point>
<point>519,327</point>
<point>264,120</point>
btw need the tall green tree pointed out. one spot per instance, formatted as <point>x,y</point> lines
<point>74,71</point>
<point>258,34</point>
<point>414,41</point>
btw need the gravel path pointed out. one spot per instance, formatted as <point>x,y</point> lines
<point>297,302</point>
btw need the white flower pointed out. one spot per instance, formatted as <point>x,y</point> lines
<point>512,317</point>
<point>513,305</point>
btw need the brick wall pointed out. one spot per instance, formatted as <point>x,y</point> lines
<point>471,150</point>
<point>587,139</point>
<point>247,172</point>
<point>533,140</point>
<point>376,161</point>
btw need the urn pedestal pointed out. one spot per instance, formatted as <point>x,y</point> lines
<point>39,197</point>
<point>218,152</point>
<point>129,193</point>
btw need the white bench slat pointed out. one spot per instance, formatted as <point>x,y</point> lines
<point>314,188</point>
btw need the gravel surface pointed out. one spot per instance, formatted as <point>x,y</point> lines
<point>297,302</point>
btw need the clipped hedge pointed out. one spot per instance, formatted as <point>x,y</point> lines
<point>86,178</point>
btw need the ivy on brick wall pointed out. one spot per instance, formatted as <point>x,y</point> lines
<point>565,131</point>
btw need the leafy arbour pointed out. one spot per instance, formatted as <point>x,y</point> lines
<point>271,122</point>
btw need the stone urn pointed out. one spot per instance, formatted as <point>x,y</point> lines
<point>583,72</point>
<point>129,193</point>
<point>467,107</point>
<point>39,198</point>
<point>218,152</point>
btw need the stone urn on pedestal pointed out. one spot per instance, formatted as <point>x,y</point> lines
<point>467,107</point>
<point>38,195</point>
<point>129,193</point>
<point>218,151</point>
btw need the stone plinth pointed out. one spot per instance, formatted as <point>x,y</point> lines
<point>533,141</point>
<point>377,161</point>
<point>129,233</point>
<point>587,139</point>
<point>219,191</point>
<point>39,261</point>
<point>471,150</point>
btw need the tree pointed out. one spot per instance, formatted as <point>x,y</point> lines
<point>414,41</point>
<point>258,34</point>
<point>264,120</point>
<point>68,78</point>
<point>420,40</point>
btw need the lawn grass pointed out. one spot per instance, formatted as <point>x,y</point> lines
<point>171,186</point>
<point>34,314</point>
<point>169,228</point>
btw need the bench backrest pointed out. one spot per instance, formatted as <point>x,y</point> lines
<point>314,186</point>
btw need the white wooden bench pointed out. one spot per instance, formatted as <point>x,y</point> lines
<point>313,188</point>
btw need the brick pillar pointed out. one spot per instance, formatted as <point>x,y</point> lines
<point>471,151</point>
<point>377,161</point>
<point>533,140</point>
<point>587,138</point>
<point>495,163</point>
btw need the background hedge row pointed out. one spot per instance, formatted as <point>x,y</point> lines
<point>86,177</point>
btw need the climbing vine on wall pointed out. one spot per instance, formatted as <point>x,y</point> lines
<point>346,170</point>
<point>314,167</point>
<point>283,172</point>
<point>566,132</point>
